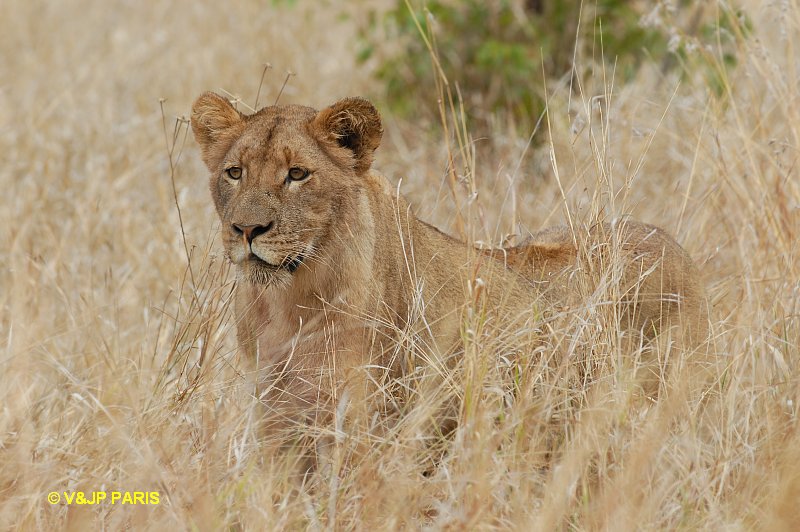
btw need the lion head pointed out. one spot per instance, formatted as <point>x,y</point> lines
<point>281,178</point>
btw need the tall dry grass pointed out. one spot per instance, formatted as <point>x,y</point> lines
<point>119,367</point>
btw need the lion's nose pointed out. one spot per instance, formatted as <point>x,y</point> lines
<point>250,232</point>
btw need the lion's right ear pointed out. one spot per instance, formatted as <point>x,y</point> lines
<point>216,124</point>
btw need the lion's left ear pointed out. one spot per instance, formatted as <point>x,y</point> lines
<point>353,124</point>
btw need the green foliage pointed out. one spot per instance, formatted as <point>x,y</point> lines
<point>500,52</point>
<point>715,49</point>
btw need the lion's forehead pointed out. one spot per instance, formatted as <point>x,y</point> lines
<point>277,138</point>
<point>285,120</point>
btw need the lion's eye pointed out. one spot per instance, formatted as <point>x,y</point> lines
<point>297,174</point>
<point>234,172</point>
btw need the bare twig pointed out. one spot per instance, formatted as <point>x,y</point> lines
<point>267,66</point>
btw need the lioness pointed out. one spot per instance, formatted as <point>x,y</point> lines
<point>334,270</point>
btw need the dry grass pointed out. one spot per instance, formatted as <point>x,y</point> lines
<point>119,369</point>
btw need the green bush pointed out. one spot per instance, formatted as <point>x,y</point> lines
<point>499,52</point>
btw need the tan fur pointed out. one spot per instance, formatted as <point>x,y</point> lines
<point>369,269</point>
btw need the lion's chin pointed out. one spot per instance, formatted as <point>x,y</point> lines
<point>258,272</point>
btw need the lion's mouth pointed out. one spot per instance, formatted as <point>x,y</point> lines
<point>293,264</point>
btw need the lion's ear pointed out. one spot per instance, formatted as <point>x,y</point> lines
<point>354,124</point>
<point>216,124</point>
